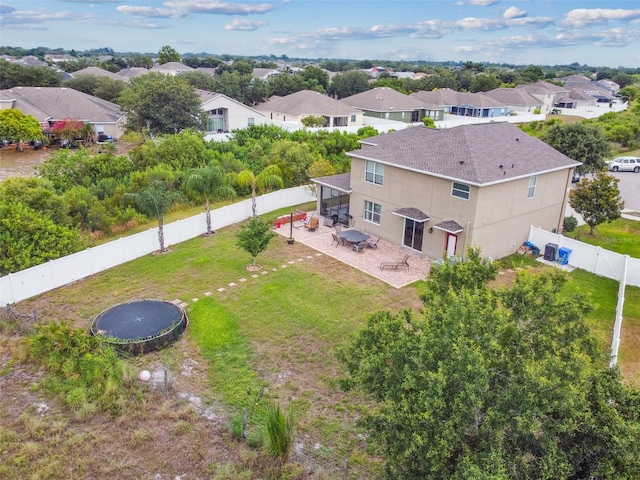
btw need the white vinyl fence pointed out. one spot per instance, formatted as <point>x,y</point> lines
<point>62,271</point>
<point>597,260</point>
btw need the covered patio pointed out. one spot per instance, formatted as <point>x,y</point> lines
<point>368,260</point>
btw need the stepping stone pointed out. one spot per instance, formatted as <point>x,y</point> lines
<point>274,269</point>
<point>318,254</point>
<point>301,259</point>
<point>243,279</point>
<point>194,299</point>
<point>176,301</point>
<point>309,256</point>
<point>207,293</point>
<point>264,272</point>
<point>184,305</point>
<point>255,275</point>
<point>232,284</point>
<point>221,289</point>
<point>291,262</point>
<point>283,266</point>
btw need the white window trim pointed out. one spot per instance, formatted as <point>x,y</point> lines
<point>531,190</point>
<point>374,172</point>
<point>372,212</point>
<point>468,192</point>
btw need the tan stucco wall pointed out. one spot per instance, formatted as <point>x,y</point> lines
<point>237,115</point>
<point>496,218</point>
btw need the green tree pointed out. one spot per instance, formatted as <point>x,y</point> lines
<point>268,179</point>
<point>162,104</point>
<point>293,159</point>
<point>36,193</point>
<point>494,384</point>
<point>168,54</point>
<point>17,127</point>
<point>315,78</point>
<point>254,238</point>
<point>484,83</point>
<point>532,74</point>
<point>29,238</point>
<point>597,200</point>
<point>210,182</point>
<point>14,75</point>
<point>349,83</point>
<point>583,142</point>
<point>155,201</point>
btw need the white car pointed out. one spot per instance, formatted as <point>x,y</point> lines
<point>624,164</point>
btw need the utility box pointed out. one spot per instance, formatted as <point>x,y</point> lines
<point>563,255</point>
<point>551,252</point>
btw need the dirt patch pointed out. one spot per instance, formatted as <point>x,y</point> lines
<point>26,163</point>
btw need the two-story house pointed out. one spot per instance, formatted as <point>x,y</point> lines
<point>439,192</point>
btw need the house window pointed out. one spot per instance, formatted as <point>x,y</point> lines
<point>373,172</point>
<point>531,192</point>
<point>372,212</point>
<point>353,118</point>
<point>250,122</point>
<point>460,190</point>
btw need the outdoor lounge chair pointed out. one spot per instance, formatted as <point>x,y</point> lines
<point>396,264</point>
<point>313,224</point>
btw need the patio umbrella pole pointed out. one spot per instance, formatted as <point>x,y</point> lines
<point>290,240</point>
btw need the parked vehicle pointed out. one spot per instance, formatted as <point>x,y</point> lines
<point>624,164</point>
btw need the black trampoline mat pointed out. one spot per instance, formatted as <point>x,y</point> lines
<point>138,319</point>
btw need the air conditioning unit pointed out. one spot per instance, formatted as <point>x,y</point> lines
<point>551,252</point>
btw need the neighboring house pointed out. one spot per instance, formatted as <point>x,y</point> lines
<point>266,73</point>
<point>51,104</point>
<point>132,72</point>
<point>464,104</point>
<point>389,104</point>
<point>96,72</point>
<point>439,192</point>
<point>611,86</point>
<point>172,68</point>
<point>225,114</point>
<point>516,99</point>
<point>546,92</point>
<point>56,58</point>
<point>30,61</point>
<point>575,99</point>
<point>298,105</point>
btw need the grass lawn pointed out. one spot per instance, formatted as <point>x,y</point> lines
<point>271,338</point>
<point>620,236</point>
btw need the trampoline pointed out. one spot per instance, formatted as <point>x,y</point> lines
<point>140,326</point>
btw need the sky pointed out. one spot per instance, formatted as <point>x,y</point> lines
<point>520,32</point>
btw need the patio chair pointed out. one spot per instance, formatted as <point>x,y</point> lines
<point>396,264</point>
<point>338,227</point>
<point>313,224</point>
<point>359,247</point>
<point>374,244</point>
<point>337,240</point>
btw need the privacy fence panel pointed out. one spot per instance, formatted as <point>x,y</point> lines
<point>56,273</point>
<point>597,260</point>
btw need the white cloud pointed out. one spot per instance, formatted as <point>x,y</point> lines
<point>219,8</point>
<point>149,12</point>
<point>514,12</point>
<point>244,25</point>
<point>581,17</point>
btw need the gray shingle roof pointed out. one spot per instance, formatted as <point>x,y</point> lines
<point>383,99</point>
<point>474,154</point>
<point>412,213</point>
<point>56,103</point>
<point>447,97</point>
<point>543,87</point>
<point>98,72</point>
<point>513,96</point>
<point>306,102</point>
<point>341,182</point>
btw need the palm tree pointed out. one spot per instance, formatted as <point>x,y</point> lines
<point>156,201</point>
<point>211,182</point>
<point>269,179</point>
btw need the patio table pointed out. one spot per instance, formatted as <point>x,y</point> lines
<point>353,236</point>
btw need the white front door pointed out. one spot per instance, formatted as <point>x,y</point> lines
<point>452,240</point>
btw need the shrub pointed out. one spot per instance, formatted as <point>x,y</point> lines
<point>569,224</point>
